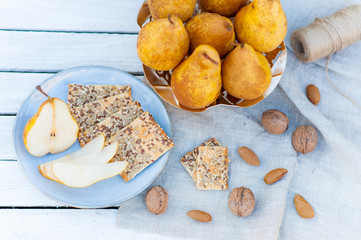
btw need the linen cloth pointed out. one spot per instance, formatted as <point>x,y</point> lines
<point>329,178</point>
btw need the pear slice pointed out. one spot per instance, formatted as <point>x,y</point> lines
<point>52,129</point>
<point>84,175</point>
<point>93,147</point>
<point>101,157</point>
<point>42,171</point>
<point>49,173</point>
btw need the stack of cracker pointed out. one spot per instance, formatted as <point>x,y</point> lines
<point>111,111</point>
<point>208,165</point>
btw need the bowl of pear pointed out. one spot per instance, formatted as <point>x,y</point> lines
<point>224,56</point>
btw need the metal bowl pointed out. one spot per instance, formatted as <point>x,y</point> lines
<point>160,80</point>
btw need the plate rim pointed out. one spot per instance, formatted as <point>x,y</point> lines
<point>112,204</point>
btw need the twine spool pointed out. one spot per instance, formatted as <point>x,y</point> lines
<point>326,36</point>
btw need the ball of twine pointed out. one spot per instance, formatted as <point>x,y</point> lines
<point>326,36</point>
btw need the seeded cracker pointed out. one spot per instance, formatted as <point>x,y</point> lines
<point>79,95</point>
<point>212,168</point>
<point>189,161</point>
<point>112,124</point>
<point>140,143</point>
<point>93,113</point>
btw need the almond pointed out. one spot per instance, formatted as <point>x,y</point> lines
<point>275,175</point>
<point>249,156</point>
<point>199,215</point>
<point>313,94</point>
<point>303,208</point>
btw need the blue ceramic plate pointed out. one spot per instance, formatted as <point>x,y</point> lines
<point>105,193</point>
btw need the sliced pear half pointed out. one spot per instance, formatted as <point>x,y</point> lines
<point>100,158</point>
<point>84,175</point>
<point>103,157</point>
<point>89,151</point>
<point>93,147</point>
<point>52,129</point>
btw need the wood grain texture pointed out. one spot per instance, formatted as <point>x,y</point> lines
<point>54,224</point>
<point>7,150</point>
<point>63,37</point>
<point>70,15</point>
<point>52,52</point>
<point>15,87</point>
<point>17,191</point>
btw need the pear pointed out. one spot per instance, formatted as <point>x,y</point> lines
<point>93,147</point>
<point>261,24</point>
<point>52,129</point>
<point>211,29</point>
<point>162,44</point>
<point>196,82</point>
<point>84,175</point>
<point>227,8</point>
<point>85,165</point>
<point>101,157</point>
<point>246,74</point>
<point>179,8</point>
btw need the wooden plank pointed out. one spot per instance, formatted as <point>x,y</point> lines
<point>52,52</point>
<point>62,224</point>
<point>7,150</point>
<point>17,191</point>
<point>15,87</point>
<point>69,15</point>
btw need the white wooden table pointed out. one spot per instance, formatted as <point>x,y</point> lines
<point>37,39</point>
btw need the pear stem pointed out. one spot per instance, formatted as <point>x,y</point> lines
<point>41,90</point>
<point>228,26</point>
<point>210,59</point>
<point>170,20</point>
<point>236,44</point>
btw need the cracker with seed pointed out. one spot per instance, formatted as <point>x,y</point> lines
<point>93,113</point>
<point>112,124</point>
<point>212,168</point>
<point>189,161</point>
<point>79,95</point>
<point>140,143</point>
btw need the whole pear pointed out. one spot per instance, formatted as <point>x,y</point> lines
<point>179,8</point>
<point>227,8</point>
<point>162,44</point>
<point>196,82</point>
<point>246,74</point>
<point>211,29</point>
<point>261,24</point>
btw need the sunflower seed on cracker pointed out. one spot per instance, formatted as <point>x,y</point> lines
<point>212,168</point>
<point>189,161</point>
<point>140,143</point>
<point>93,113</point>
<point>79,95</point>
<point>112,124</point>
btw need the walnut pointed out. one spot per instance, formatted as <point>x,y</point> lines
<point>275,121</point>
<point>304,139</point>
<point>157,200</point>
<point>241,201</point>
